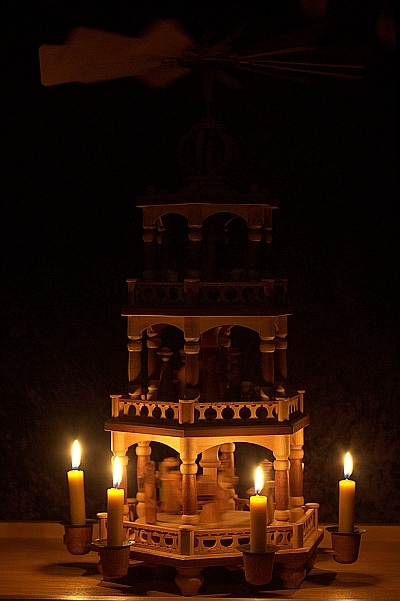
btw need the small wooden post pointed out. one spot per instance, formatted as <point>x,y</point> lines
<point>186,540</point>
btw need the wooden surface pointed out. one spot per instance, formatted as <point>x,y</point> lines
<point>35,564</point>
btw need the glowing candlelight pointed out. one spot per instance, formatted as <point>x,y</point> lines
<point>258,515</point>
<point>347,489</point>
<point>76,488</point>
<point>115,507</point>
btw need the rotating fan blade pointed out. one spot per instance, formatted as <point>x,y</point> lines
<point>91,55</point>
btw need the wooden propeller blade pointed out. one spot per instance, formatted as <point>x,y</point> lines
<point>90,55</point>
<point>270,69</point>
<point>290,50</point>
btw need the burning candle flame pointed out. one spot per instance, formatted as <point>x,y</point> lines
<point>348,465</point>
<point>117,472</point>
<point>258,480</point>
<point>76,455</point>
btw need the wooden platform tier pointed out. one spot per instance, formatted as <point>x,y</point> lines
<point>196,203</point>
<point>180,311</point>
<point>274,415</point>
<point>169,537</point>
<point>188,431</point>
<point>190,549</point>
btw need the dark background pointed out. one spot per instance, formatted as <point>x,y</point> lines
<point>75,157</point>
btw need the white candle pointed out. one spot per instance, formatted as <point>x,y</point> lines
<point>258,515</point>
<point>347,489</point>
<point>76,488</point>
<point>115,508</point>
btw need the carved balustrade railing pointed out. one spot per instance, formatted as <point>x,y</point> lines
<point>309,521</point>
<point>196,411</point>
<point>153,537</point>
<point>191,292</point>
<point>193,540</point>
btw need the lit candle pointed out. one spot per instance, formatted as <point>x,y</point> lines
<point>258,515</point>
<point>76,488</point>
<point>115,508</point>
<point>347,489</point>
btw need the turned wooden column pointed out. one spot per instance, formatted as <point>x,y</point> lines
<point>162,252</point>
<point>266,267</point>
<point>181,376</point>
<point>281,467</point>
<point>135,358</point>
<point>150,254</point>
<point>192,350</point>
<point>153,361</point>
<point>209,256</point>
<point>253,252</point>
<point>281,346</point>
<point>210,362</point>
<point>296,474</point>
<point>143,452</point>
<point>267,349</point>
<point>194,265</point>
<point>166,391</point>
<point>188,470</point>
<point>224,343</point>
<point>234,391</point>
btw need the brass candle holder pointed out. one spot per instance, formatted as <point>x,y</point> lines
<point>346,545</point>
<point>114,560</point>
<point>258,567</point>
<point>78,539</point>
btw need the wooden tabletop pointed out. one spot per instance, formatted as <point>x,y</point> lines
<point>35,564</point>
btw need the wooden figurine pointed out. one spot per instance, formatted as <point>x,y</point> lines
<point>171,482</point>
<point>150,493</point>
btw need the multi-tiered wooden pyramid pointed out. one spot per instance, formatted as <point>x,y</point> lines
<point>207,330</point>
